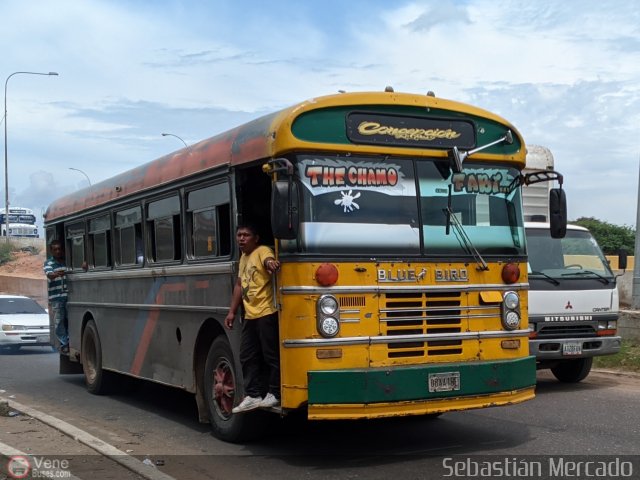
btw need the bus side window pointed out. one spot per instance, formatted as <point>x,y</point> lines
<point>100,242</point>
<point>209,221</point>
<point>204,233</point>
<point>75,246</point>
<point>128,237</point>
<point>163,222</point>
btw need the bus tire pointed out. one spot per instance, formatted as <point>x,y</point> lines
<point>96,379</point>
<point>222,392</point>
<point>572,371</point>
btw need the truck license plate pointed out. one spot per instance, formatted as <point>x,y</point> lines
<point>444,382</point>
<point>572,348</point>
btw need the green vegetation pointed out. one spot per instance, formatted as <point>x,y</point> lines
<point>611,238</point>
<point>628,358</point>
<point>6,252</point>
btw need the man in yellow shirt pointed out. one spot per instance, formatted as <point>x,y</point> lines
<point>260,333</point>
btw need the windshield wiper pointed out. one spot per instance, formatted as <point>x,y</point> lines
<point>604,280</point>
<point>452,220</point>
<point>546,277</point>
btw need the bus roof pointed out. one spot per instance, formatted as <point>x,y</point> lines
<point>272,135</point>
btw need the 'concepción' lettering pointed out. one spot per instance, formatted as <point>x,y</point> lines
<point>375,128</point>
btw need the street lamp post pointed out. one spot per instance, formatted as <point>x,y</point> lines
<point>174,135</point>
<point>83,173</point>
<point>6,160</point>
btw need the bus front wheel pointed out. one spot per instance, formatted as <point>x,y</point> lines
<point>96,379</point>
<point>572,371</point>
<point>222,392</point>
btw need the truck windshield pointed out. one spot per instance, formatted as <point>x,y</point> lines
<point>577,255</point>
<point>382,205</point>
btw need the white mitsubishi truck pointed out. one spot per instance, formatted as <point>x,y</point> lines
<point>573,299</point>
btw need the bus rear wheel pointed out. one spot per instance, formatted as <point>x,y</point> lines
<point>572,371</point>
<point>222,391</point>
<point>96,380</point>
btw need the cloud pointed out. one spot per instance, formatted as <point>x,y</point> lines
<point>440,15</point>
<point>565,73</point>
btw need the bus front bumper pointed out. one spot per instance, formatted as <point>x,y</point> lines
<point>419,390</point>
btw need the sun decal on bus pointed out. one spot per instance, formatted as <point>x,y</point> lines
<point>347,201</point>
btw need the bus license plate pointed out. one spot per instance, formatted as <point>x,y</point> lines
<point>572,348</point>
<point>444,382</point>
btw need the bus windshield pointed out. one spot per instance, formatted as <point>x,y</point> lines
<point>376,206</point>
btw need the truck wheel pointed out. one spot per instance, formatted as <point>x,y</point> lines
<point>222,392</point>
<point>97,380</point>
<point>573,371</point>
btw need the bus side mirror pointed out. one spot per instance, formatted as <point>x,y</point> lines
<point>557,213</point>
<point>622,259</point>
<point>284,209</point>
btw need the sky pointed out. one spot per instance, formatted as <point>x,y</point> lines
<point>566,74</point>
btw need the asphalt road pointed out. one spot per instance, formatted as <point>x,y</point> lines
<point>600,416</point>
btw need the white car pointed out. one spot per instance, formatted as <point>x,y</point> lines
<point>22,322</point>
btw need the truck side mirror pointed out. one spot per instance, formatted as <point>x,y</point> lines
<point>622,259</point>
<point>557,213</point>
<point>284,209</point>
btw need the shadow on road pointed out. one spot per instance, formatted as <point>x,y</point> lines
<point>25,350</point>
<point>296,440</point>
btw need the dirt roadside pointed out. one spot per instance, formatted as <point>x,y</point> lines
<point>25,265</point>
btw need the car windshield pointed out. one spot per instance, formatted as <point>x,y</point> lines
<point>10,306</point>
<point>384,205</point>
<point>576,255</point>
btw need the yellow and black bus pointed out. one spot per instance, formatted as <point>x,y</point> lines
<point>397,219</point>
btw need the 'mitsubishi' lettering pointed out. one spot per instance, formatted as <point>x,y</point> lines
<point>568,318</point>
<point>324,176</point>
<point>375,128</point>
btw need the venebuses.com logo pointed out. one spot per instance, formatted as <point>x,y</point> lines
<point>18,466</point>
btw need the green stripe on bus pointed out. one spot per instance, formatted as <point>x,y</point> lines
<point>412,382</point>
<point>327,125</point>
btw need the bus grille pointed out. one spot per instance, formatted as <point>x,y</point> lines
<point>421,313</point>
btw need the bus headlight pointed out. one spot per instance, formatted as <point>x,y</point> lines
<point>511,311</point>
<point>328,305</point>
<point>328,327</point>
<point>511,300</point>
<point>511,320</point>
<point>328,316</point>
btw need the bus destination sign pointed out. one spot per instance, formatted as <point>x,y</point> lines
<point>403,131</point>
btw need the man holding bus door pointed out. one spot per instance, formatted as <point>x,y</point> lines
<point>260,333</point>
<point>55,270</point>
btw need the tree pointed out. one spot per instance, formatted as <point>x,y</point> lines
<point>611,238</point>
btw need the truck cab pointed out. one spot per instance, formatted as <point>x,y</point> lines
<point>573,301</point>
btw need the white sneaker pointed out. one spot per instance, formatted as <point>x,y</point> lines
<point>247,403</point>
<point>269,401</point>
